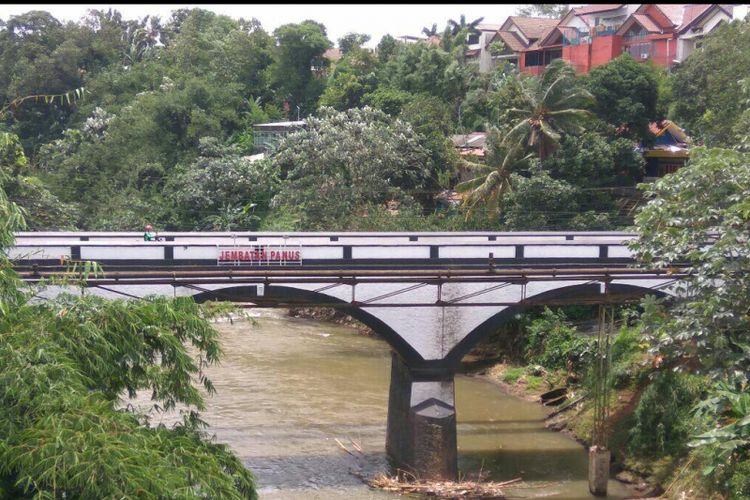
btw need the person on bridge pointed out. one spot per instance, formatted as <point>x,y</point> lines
<point>149,234</point>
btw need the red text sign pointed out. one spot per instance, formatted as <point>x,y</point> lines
<point>259,254</point>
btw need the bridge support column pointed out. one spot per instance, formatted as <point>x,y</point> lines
<point>421,433</point>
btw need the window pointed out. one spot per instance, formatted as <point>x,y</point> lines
<point>638,50</point>
<point>635,33</point>
<point>473,39</point>
<point>533,59</point>
<point>551,55</point>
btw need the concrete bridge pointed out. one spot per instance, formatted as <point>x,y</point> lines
<point>431,296</point>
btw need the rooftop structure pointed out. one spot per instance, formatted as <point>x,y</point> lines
<point>265,135</point>
<point>593,35</point>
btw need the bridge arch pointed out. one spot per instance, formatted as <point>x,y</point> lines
<point>582,292</point>
<point>303,297</point>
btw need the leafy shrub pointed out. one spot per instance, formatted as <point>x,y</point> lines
<point>555,344</point>
<point>662,421</point>
<point>739,481</point>
<point>726,446</point>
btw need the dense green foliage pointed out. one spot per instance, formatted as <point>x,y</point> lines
<point>212,78</point>
<point>66,367</point>
<point>707,90</point>
<point>626,94</point>
<point>708,323</point>
<point>344,161</point>
<point>661,421</point>
<point>555,344</point>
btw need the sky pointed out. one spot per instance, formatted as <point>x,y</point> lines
<point>375,20</point>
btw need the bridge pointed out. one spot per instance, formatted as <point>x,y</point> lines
<point>431,296</point>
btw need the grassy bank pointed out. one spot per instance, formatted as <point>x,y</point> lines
<point>652,410</point>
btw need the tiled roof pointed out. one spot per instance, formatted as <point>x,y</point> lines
<point>696,11</point>
<point>533,27</point>
<point>592,9</point>
<point>673,11</point>
<point>647,23</point>
<point>510,39</point>
<point>543,38</point>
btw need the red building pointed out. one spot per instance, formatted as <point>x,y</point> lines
<point>593,35</point>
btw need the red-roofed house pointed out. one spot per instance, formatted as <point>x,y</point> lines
<point>517,34</point>
<point>669,152</point>
<point>593,35</point>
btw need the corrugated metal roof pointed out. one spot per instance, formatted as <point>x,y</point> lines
<point>280,124</point>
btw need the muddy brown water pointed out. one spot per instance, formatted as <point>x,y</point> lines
<point>289,388</point>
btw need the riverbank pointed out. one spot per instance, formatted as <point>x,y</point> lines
<point>331,315</point>
<point>574,420</point>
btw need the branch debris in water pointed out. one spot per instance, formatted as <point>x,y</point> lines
<point>442,489</point>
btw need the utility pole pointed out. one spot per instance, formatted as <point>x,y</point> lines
<point>297,113</point>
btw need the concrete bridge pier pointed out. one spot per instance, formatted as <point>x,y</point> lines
<point>421,432</point>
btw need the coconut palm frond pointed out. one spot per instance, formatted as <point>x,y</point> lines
<point>545,129</point>
<point>469,185</point>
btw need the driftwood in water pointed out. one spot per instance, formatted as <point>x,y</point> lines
<point>442,489</point>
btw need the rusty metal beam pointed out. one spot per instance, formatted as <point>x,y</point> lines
<point>359,273</point>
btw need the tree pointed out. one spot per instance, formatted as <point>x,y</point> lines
<point>353,77</point>
<point>626,94</point>
<point>352,40</point>
<point>549,109</point>
<point>387,99</point>
<point>708,96</point>
<point>343,161</point>
<point>550,10</point>
<point>65,364</point>
<point>462,25</point>
<point>700,215</point>
<point>299,51</point>
<point>386,48</point>
<point>220,182</point>
<point>492,180</point>
<point>593,160</point>
<point>539,203</point>
<point>429,32</point>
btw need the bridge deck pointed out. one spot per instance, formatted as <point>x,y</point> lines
<point>122,251</point>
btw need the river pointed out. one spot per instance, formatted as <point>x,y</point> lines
<point>288,389</point>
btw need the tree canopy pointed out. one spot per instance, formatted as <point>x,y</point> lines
<point>700,215</point>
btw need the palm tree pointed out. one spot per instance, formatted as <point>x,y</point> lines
<point>491,183</point>
<point>550,108</point>
<point>428,32</point>
<point>457,26</point>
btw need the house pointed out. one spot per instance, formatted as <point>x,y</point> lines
<point>517,33</point>
<point>669,151</point>
<point>696,23</point>
<point>266,135</point>
<point>470,144</point>
<point>590,36</point>
<point>477,43</point>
